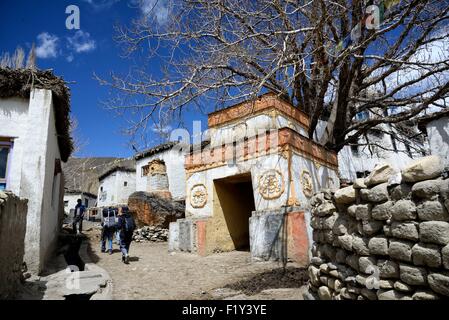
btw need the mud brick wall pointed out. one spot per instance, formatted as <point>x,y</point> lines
<point>13,212</point>
<point>385,237</point>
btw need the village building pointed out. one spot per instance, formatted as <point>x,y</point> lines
<point>250,187</point>
<point>161,170</point>
<point>34,140</point>
<point>397,146</point>
<point>89,200</point>
<point>117,183</point>
<point>436,127</point>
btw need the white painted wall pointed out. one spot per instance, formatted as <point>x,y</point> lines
<point>51,198</point>
<point>72,198</point>
<point>253,166</point>
<point>322,177</point>
<point>14,122</point>
<point>257,167</point>
<point>174,161</point>
<point>349,163</point>
<point>114,191</point>
<point>251,126</point>
<point>438,136</point>
<point>31,174</point>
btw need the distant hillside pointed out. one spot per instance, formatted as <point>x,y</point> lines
<point>81,174</point>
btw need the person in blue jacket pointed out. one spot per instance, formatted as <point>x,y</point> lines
<point>126,225</point>
<point>78,217</point>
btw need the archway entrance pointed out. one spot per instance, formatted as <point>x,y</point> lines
<point>233,205</point>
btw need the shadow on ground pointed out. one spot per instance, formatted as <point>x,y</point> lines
<point>290,277</point>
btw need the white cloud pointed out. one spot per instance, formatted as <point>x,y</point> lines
<point>161,129</point>
<point>81,42</point>
<point>153,8</point>
<point>101,4</point>
<point>47,46</point>
<point>70,58</point>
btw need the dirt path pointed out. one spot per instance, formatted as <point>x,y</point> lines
<point>154,273</point>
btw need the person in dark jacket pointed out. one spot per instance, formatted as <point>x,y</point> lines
<point>108,225</point>
<point>126,225</point>
<point>78,217</point>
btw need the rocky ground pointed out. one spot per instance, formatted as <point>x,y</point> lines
<point>154,273</point>
<point>148,233</point>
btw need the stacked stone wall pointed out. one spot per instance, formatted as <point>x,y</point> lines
<point>386,237</point>
<point>13,214</point>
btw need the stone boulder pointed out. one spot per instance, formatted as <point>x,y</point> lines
<point>439,282</point>
<point>377,194</point>
<point>428,189</point>
<point>380,174</point>
<point>80,283</point>
<point>423,169</point>
<point>152,210</point>
<point>426,255</point>
<point>345,195</point>
<point>434,232</point>
<point>359,183</point>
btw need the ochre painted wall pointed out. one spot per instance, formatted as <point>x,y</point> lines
<point>228,229</point>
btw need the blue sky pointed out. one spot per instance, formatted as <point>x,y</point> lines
<point>76,55</point>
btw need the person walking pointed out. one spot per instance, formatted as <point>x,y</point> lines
<point>78,217</point>
<point>108,228</point>
<point>126,225</point>
<point>117,231</point>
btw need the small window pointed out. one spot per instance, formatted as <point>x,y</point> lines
<point>125,184</point>
<point>86,203</point>
<point>362,115</point>
<point>145,170</point>
<point>66,204</point>
<point>377,133</point>
<point>101,189</point>
<point>355,150</point>
<point>362,174</point>
<point>5,148</point>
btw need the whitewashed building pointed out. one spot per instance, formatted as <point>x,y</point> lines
<point>250,188</point>
<point>170,170</point>
<point>71,197</point>
<point>116,184</point>
<point>383,144</point>
<point>436,127</point>
<point>34,139</point>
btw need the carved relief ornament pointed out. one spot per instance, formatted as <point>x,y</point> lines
<point>307,183</point>
<point>198,196</point>
<point>271,184</point>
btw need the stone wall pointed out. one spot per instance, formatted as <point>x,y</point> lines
<point>13,213</point>
<point>385,237</point>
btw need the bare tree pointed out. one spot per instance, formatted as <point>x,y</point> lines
<point>79,143</point>
<point>333,59</point>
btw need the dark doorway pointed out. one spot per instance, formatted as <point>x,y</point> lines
<point>235,203</point>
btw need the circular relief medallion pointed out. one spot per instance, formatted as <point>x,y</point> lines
<point>271,184</point>
<point>198,196</point>
<point>307,184</point>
